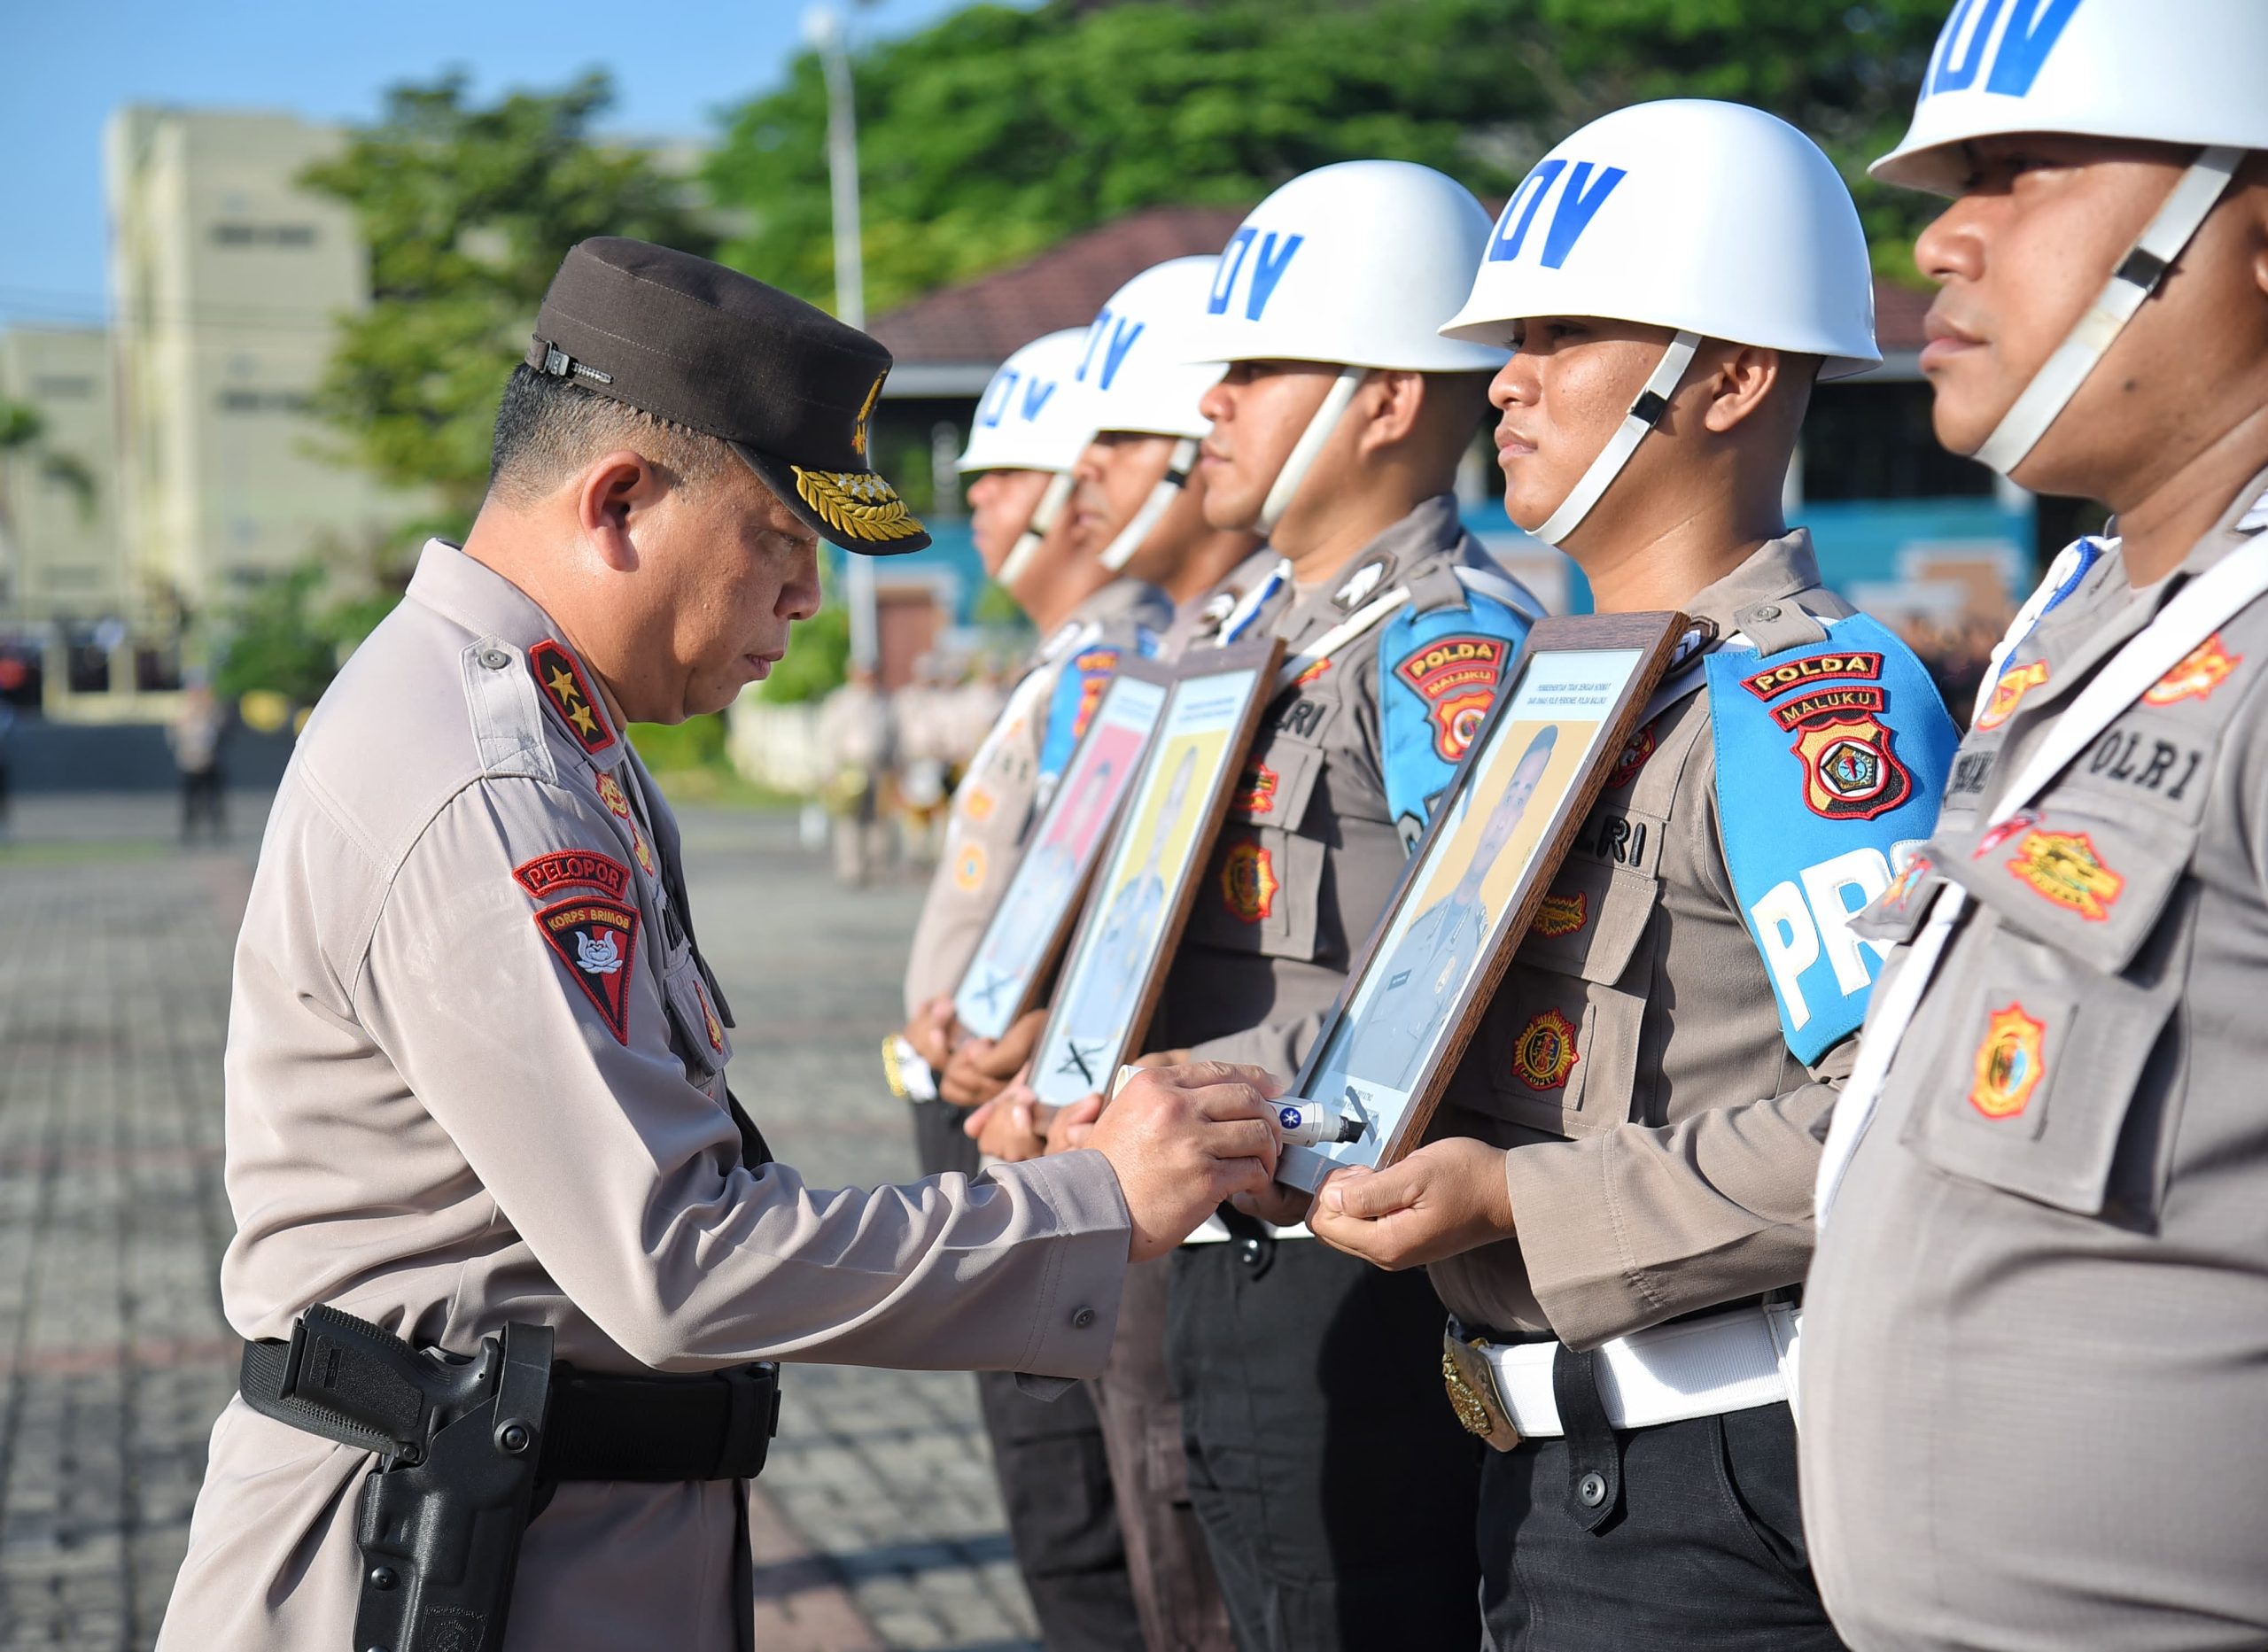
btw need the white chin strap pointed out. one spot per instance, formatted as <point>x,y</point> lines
<point>1645,413</point>
<point>1043,519</point>
<point>1121,550</point>
<point>1310,446</point>
<point>2137,276</point>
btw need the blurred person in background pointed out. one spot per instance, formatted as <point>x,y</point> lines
<point>855,735</point>
<point>194,736</point>
<point>924,715</point>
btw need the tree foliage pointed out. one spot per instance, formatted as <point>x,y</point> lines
<point>998,130</point>
<point>466,209</point>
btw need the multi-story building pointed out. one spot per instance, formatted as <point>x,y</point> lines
<point>226,279</point>
<point>59,552</point>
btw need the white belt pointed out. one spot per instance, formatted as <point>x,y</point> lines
<point>1669,1374</point>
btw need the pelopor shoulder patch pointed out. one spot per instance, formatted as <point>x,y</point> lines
<point>570,868</point>
<point>1827,756</point>
<point>597,940</point>
<point>559,675</point>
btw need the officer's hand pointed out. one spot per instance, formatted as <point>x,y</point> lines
<point>1073,1124</point>
<point>1278,1203</point>
<point>931,1031</point>
<point>1446,1198</point>
<point>1181,1139</point>
<point>981,1067</point>
<point>1010,1126</point>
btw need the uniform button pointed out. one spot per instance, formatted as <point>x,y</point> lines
<point>1767,611</point>
<point>1083,1318</point>
<point>1592,1490</point>
<point>1249,1252</point>
<point>494,659</point>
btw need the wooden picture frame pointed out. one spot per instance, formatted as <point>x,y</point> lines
<point>1475,881</point>
<point>1159,848</point>
<point>1007,974</point>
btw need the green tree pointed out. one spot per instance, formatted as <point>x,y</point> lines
<point>999,130</point>
<point>466,209</point>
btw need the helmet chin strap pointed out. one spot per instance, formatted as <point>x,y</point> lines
<point>1645,413</point>
<point>1121,550</point>
<point>1043,519</point>
<point>1309,448</point>
<point>2137,277</point>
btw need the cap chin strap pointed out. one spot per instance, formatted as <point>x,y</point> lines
<point>1043,519</point>
<point>1121,550</point>
<point>1309,447</point>
<point>2138,275</point>
<point>1645,413</point>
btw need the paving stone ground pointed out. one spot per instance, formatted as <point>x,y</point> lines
<point>878,1526</point>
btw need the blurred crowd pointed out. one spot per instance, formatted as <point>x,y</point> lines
<point>892,758</point>
<point>1957,652</point>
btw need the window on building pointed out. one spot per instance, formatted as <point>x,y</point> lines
<point>237,233</point>
<point>1874,441</point>
<point>236,399</point>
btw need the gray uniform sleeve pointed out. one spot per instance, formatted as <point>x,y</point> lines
<point>1636,1225</point>
<point>624,1178</point>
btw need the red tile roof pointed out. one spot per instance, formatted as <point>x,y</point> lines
<point>981,322</point>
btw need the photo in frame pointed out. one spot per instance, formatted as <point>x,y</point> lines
<point>1475,881</point>
<point>1027,932</point>
<point>1159,848</point>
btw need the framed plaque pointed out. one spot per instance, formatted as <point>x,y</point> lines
<point>1020,945</point>
<point>1475,881</point>
<point>1158,850</point>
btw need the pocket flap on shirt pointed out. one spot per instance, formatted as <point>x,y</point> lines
<point>2091,882</point>
<point>1590,921</point>
<point>1277,781</point>
<point>702,1041</point>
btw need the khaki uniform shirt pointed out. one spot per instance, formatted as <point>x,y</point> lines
<point>999,798</point>
<point>2035,1351</point>
<point>1310,852</point>
<point>1660,1130</point>
<point>475,1073</point>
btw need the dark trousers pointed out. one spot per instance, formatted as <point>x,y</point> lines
<point>1175,1589</point>
<point>201,798</point>
<point>1336,1489</point>
<point>1690,1540</point>
<point>1053,1472</point>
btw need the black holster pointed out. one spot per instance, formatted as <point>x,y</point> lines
<point>470,1449</point>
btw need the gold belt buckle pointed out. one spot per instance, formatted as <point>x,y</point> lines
<point>1473,1395</point>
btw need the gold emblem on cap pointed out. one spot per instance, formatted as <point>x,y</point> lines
<point>857,503</point>
<point>858,431</point>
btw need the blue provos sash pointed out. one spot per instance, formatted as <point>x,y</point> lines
<point>1829,755</point>
<point>1438,674</point>
<point>1071,706</point>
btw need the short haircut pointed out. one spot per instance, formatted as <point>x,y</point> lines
<point>547,429</point>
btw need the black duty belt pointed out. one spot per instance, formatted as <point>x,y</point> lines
<point>471,1448</point>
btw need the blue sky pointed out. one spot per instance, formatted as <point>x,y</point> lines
<point>675,64</point>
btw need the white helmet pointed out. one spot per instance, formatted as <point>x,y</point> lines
<point>1357,264</point>
<point>1135,375</point>
<point>2188,73</point>
<point>1628,218</point>
<point>1025,420</point>
<point>1028,420</point>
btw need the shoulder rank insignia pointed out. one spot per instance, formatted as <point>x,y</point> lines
<point>597,940</point>
<point>560,676</point>
<point>566,868</point>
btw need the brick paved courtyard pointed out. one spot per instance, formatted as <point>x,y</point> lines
<point>878,1526</point>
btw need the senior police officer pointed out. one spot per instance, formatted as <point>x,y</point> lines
<point>477,1114</point>
<point>1628,1153</point>
<point>1048,1454</point>
<point>2035,1361</point>
<point>1306,1380</point>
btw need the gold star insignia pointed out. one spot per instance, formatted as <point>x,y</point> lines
<point>562,684</point>
<point>580,716</point>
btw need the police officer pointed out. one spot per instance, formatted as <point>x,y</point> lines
<point>1622,1184</point>
<point>475,1065</point>
<point>2032,1378</point>
<point>1336,1495</point>
<point>1048,1453</point>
